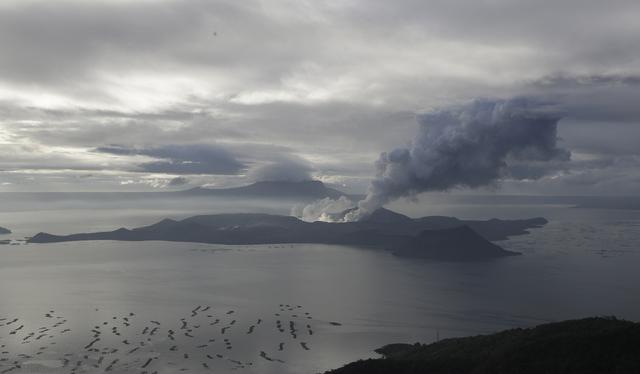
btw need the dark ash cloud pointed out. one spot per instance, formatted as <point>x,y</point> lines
<point>467,146</point>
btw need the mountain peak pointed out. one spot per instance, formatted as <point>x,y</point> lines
<point>383,215</point>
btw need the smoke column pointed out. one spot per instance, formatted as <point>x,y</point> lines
<point>326,210</point>
<point>465,146</point>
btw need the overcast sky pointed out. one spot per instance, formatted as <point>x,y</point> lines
<point>164,94</point>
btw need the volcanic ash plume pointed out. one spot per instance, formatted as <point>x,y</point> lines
<point>465,146</point>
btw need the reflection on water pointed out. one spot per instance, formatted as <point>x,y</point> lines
<point>583,263</point>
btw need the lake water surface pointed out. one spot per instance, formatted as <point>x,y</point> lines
<point>341,302</point>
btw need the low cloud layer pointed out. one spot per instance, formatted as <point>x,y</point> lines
<point>182,159</point>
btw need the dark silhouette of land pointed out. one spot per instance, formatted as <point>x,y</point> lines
<point>439,238</point>
<point>586,346</point>
<point>4,231</point>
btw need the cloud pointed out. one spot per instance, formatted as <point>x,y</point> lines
<point>285,169</point>
<point>150,54</point>
<point>178,181</point>
<point>182,159</point>
<point>334,83</point>
<point>467,146</point>
<point>592,97</point>
<point>565,80</point>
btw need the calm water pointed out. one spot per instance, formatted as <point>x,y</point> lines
<point>341,302</point>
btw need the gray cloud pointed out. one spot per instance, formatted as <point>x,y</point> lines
<point>467,146</point>
<point>79,47</point>
<point>178,181</point>
<point>592,97</point>
<point>286,169</point>
<point>334,83</point>
<point>182,159</point>
<point>565,80</point>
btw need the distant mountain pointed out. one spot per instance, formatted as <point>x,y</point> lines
<point>586,346</point>
<point>308,190</point>
<point>438,238</point>
<point>386,216</point>
<point>4,231</point>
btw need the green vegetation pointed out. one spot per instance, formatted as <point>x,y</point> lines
<point>586,346</point>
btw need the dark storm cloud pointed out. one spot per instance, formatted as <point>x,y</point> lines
<point>183,159</point>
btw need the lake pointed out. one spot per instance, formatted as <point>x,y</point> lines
<point>170,307</point>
